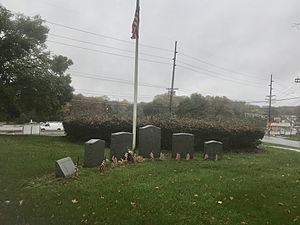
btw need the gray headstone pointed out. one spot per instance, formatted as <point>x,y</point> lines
<point>93,153</point>
<point>213,148</point>
<point>149,141</point>
<point>120,143</point>
<point>182,143</point>
<point>64,167</point>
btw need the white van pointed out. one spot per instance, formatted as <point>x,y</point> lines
<point>52,126</point>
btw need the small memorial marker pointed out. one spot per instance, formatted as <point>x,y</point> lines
<point>64,167</point>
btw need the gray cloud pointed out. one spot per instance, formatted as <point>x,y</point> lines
<point>253,37</point>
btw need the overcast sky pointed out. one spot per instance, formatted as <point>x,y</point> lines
<point>251,39</point>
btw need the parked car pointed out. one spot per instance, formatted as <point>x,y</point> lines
<point>52,126</point>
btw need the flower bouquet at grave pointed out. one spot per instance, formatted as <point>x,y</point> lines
<point>188,156</point>
<point>77,167</point>
<point>151,156</point>
<point>162,156</point>
<point>205,157</point>
<point>114,162</point>
<point>138,158</point>
<point>103,166</point>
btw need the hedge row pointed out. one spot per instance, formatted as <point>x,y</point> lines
<point>235,135</point>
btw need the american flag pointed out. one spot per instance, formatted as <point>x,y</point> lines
<point>136,22</point>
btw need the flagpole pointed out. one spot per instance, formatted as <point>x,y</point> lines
<point>136,69</point>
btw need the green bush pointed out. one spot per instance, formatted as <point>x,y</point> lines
<point>235,135</point>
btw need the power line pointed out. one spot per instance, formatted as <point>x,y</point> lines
<point>217,77</point>
<point>109,53</point>
<point>106,36</point>
<point>213,72</point>
<point>287,99</point>
<point>219,67</point>
<point>256,102</point>
<point>110,79</point>
<point>114,94</point>
<point>277,100</point>
<point>106,46</point>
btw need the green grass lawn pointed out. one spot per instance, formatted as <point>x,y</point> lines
<point>261,188</point>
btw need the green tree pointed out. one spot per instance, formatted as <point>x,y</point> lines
<point>161,104</point>
<point>33,84</point>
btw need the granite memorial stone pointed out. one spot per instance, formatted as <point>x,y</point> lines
<point>182,143</point>
<point>213,150</point>
<point>93,153</point>
<point>149,141</point>
<point>121,142</point>
<point>64,167</point>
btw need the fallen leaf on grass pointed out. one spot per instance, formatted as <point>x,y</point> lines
<point>84,221</point>
<point>231,198</point>
<point>280,204</point>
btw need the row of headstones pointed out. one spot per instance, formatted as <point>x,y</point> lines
<point>149,145</point>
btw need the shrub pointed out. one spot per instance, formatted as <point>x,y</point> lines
<point>235,135</point>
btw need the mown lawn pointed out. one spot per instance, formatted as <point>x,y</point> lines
<point>261,188</point>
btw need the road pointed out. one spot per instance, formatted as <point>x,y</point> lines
<point>281,141</point>
<point>18,130</point>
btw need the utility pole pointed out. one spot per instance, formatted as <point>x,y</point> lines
<point>173,76</point>
<point>270,104</point>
